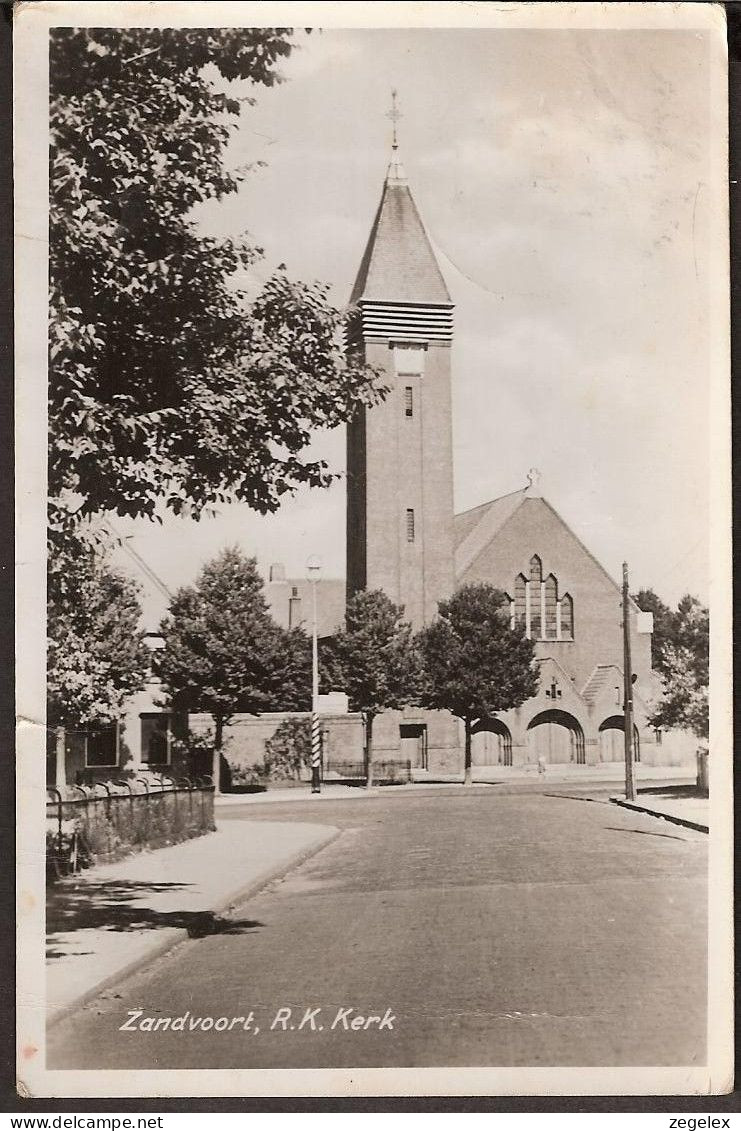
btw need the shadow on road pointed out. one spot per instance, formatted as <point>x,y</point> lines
<point>115,905</point>
<point>643,832</point>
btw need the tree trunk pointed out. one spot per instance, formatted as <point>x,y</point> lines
<point>218,739</point>
<point>369,751</point>
<point>467,754</point>
<point>60,768</point>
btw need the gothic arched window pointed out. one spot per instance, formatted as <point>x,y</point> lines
<point>520,598</point>
<point>567,617</point>
<point>537,607</point>
<point>550,594</point>
<point>535,629</point>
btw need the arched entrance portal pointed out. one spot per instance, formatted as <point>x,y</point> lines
<point>491,744</point>
<point>612,740</point>
<point>555,736</point>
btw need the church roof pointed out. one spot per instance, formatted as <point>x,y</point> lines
<point>399,264</point>
<point>597,680</point>
<point>475,528</point>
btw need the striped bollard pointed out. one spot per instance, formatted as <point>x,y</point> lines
<point>316,754</point>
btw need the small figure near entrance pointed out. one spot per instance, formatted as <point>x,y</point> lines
<point>541,766</point>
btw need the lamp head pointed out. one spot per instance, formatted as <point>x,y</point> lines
<point>314,567</point>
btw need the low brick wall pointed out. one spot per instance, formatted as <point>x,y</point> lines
<point>246,735</point>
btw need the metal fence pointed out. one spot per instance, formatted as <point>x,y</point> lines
<point>111,819</point>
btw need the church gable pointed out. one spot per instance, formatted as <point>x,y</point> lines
<point>603,694</point>
<point>563,598</point>
<point>556,691</point>
<point>533,530</point>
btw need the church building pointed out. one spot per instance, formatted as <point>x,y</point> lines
<point>403,536</point>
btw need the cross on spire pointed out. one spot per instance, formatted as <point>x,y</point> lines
<point>394,114</point>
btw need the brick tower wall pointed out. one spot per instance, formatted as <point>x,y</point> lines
<point>399,463</point>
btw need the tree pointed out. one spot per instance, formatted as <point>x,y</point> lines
<point>680,650</point>
<point>224,653</point>
<point>681,654</point>
<point>288,750</point>
<point>374,660</point>
<point>684,699</point>
<point>171,385</point>
<point>475,664</point>
<point>693,633</point>
<point>96,655</point>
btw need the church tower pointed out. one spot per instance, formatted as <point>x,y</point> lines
<point>399,453</point>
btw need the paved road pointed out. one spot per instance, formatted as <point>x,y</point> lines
<point>497,928</point>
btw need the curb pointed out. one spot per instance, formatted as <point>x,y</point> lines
<point>175,935</point>
<point>233,800</point>
<point>375,791</point>
<point>683,821</point>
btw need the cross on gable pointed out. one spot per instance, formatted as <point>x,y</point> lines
<point>533,481</point>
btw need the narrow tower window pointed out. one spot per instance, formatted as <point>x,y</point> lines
<point>408,401</point>
<point>410,526</point>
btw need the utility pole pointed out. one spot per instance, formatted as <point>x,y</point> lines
<point>630,791</point>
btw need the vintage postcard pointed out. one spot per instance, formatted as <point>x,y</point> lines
<point>374,680</point>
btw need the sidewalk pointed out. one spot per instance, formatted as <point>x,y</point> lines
<point>104,923</point>
<point>482,776</point>
<point>683,805</point>
<point>338,792</point>
<point>303,792</point>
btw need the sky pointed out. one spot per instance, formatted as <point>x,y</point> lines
<point>562,177</point>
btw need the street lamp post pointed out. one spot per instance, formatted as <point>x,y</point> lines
<point>630,792</point>
<point>314,569</point>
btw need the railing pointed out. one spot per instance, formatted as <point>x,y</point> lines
<point>110,819</point>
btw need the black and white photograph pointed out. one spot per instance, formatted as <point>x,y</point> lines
<point>373,426</point>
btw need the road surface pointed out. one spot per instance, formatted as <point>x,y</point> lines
<point>494,928</point>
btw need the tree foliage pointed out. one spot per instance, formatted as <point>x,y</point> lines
<point>684,699</point>
<point>664,625</point>
<point>169,385</point>
<point>288,750</point>
<point>681,656</point>
<point>96,655</point>
<point>475,664</point>
<point>224,653</point>
<point>374,660</point>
